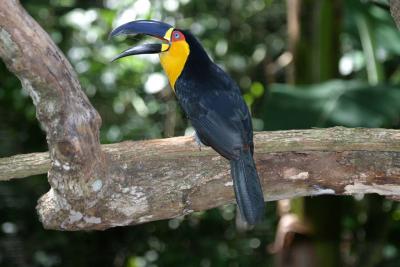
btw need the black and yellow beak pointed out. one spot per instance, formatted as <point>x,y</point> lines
<point>160,30</point>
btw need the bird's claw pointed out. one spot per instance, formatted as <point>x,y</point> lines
<point>198,141</point>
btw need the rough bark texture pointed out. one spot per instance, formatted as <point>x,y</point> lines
<point>395,11</point>
<point>159,179</point>
<point>136,182</point>
<point>25,165</point>
<point>71,123</point>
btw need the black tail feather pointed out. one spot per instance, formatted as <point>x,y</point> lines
<point>248,191</point>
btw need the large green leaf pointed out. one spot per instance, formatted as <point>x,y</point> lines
<point>346,103</point>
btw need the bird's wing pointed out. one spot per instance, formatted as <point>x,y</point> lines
<point>222,120</point>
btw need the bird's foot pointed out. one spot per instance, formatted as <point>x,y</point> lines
<point>198,141</point>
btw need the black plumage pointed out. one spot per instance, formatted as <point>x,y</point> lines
<point>213,103</point>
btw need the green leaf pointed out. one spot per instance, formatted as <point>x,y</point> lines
<point>346,103</point>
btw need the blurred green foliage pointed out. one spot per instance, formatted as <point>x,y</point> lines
<point>133,98</point>
<point>338,102</point>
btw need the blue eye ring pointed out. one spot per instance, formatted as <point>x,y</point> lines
<point>177,35</point>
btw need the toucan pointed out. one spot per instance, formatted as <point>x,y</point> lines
<point>211,100</point>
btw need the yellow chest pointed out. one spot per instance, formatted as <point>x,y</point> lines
<point>173,61</point>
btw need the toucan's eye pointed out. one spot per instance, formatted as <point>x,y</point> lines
<point>177,35</point>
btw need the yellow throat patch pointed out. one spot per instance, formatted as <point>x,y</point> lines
<point>173,60</point>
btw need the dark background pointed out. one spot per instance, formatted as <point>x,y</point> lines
<point>343,69</point>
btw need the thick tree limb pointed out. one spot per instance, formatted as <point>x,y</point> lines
<point>296,141</point>
<point>165,178</point>
<point>71,123</point>
<point>135,182</point>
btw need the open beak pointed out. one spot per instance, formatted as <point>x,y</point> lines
<point>153,28</point>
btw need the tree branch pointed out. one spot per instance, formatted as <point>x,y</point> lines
<point>71,123</point>
<point>296,141</point>
<point>165,178</point>
<point>21,166</point>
